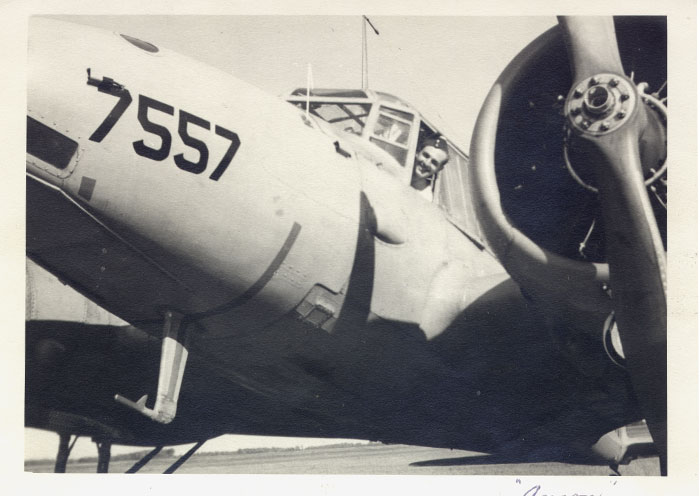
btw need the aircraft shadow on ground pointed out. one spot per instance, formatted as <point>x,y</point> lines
<point>497,460</point>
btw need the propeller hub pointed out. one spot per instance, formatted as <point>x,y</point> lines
<point>598,100</point>
<point>600,104</point>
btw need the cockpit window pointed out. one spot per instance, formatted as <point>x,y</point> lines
<point>391,132</point>
<point>348,117</point>
<point>398,114</point>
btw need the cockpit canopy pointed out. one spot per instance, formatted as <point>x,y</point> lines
<point>397,128</point>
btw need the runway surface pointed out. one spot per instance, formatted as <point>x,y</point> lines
<point>369,459</point>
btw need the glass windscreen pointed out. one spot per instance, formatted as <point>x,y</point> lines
<point>347,117</point>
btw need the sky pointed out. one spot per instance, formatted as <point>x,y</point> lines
<point>444,66</point>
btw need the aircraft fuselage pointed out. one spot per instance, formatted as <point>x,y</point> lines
<point>221,190</point>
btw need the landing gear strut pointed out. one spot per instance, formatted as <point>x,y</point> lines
<point>141,463</point>
<point>184,458</point>
<point>65,446</point>
<point>64,449</point>
<point>104,452</point>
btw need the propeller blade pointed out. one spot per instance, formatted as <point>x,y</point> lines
<point>608,127</point>
<point>637,262</point>
<point>592,45</point>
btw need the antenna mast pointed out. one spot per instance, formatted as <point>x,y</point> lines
<point>309,87</point>
<point>365,64</point>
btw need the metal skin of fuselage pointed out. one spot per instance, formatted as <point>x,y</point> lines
<point>322,297</point>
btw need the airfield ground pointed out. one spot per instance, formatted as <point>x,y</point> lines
<point>371,459</point>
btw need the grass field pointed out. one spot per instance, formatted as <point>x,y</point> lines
<point>371,459</point>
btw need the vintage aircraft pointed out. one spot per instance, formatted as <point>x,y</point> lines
<point>277,275</point>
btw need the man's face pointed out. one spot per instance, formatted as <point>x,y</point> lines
<point>429,161</point>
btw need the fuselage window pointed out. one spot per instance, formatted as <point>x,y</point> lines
<point>49,145</point>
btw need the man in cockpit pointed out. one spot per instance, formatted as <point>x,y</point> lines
<point>430,160</point>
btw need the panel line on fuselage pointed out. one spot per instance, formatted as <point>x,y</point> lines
<point>259,284</point>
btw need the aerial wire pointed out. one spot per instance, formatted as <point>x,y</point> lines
<point>364,53</point>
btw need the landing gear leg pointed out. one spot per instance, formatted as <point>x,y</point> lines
<point>64,449</point>
<point>104,452</point>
